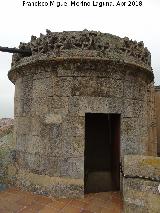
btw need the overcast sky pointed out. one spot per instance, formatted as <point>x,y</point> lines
<point>18,23</point>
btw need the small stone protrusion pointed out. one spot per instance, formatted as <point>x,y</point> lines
<point>33,38</point>
<point>48,32</point>
<point>41,35</point>
<point>141,44</point>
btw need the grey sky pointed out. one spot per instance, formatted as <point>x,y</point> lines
<point>18,24</point>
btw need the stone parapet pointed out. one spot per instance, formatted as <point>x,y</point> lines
<point>141,195</point>
<point>6,147</point>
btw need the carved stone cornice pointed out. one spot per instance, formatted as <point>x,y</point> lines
<point>84,44</point>
<point>56,47</point>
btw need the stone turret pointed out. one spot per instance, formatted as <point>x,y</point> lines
<point>68,75</point>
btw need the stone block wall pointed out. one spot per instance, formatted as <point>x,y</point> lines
<point>157,100</point>
<point>141,195</point>
<point>151,120</point>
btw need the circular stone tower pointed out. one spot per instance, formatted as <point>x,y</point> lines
<point>69,77</point>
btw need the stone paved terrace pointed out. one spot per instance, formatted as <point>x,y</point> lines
<point>16,201</point>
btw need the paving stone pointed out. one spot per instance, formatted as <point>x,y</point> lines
<point>28,202</point>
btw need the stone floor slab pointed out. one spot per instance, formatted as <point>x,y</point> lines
<point>16,201</point>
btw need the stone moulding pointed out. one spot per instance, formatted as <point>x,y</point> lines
<point>84,44</point>
<point>20,68</point>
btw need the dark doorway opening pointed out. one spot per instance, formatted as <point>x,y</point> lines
<point>102,152</point>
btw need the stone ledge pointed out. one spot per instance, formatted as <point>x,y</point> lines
<point>142,166</point>
<point>43,184</point>
<point>28,63</point>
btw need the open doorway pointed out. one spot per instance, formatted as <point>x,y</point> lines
<point>102,152</point>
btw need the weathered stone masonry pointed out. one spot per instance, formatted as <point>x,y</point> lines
<point>70,74</point>
<point>157,100</point>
